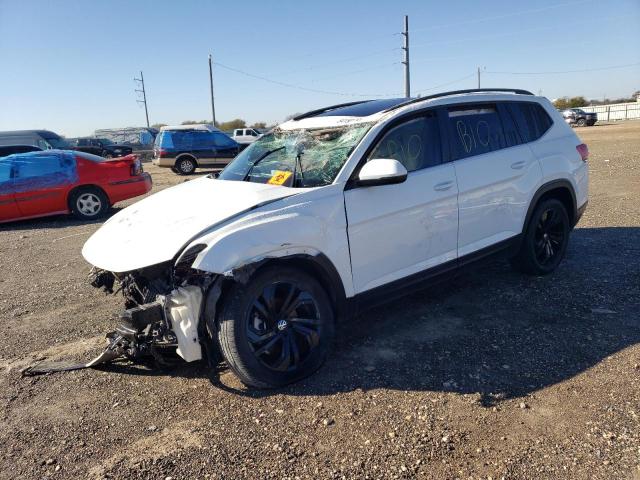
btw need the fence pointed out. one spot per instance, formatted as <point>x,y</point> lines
<point>615,111</point>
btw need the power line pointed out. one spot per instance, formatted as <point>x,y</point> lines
<point>446,84</point>
<point>329,92</point>
<point>612,67</point>
<point>505,15</point>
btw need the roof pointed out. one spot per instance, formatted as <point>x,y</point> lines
<point>43,133</point>
<point>194,126</point>
<point>366,108</point>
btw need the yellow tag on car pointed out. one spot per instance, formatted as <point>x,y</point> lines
<point>279,177</point>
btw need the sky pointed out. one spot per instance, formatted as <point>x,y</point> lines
<point>69,65</point>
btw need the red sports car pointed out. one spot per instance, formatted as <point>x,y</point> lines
<point>52,182</point>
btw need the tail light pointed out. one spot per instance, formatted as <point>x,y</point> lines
<point>583,150</point>
<point>136,167</point>
<point>161,152</point>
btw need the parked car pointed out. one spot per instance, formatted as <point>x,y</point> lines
<point>102,147</point>
<point>577,116</point>
<point>336,211</point>
<point>52,182</point>
<point>43,139</point>
<point>11,149</point>
<point>245,136</point>
<point>184,148</point>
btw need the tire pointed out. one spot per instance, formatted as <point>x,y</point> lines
<point>581,122</point>
<point>88,203</point>
<point>185,165</point>
<point>545,239</point>
<point>262,343</point>
<point>106,154</point>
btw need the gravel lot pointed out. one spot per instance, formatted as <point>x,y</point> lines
<point>493,375</point>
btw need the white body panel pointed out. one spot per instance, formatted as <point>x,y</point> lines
<point>311,223</point>
<point>494,193</point>
<point>397,230</point>
<point>154,229</point>
<point>183,308</point>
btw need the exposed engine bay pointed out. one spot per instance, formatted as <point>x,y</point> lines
<point>161,320</point>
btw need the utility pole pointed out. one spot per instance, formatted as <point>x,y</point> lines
<point>478,77</point>
<point>213,110</point>
<point>144,96</point>
<point>407,82</point>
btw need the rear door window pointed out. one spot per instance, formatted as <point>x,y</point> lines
<point>202,140</point>
<point>512,133</point>
<point>474,130</point>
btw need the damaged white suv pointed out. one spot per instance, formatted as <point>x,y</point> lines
<point>334,211</point>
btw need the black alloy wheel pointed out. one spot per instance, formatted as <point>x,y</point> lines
<point>283,326</point>
<point>545,239</point>
<point>276,328</point>
<point>549,236</point>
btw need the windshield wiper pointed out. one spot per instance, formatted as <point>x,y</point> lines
<point>262,157</point>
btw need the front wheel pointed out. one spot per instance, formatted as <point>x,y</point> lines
<point>582,122</point>
<point>545,239</point>
<point>276,329</point>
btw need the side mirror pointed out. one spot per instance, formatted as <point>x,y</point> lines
<point>381,171</point>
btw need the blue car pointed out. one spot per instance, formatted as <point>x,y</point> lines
<point>186,147</point>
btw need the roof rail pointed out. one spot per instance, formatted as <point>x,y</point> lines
<point>313,113</point>
<point>458,92</point>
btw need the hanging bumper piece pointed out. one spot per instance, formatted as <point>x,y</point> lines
<point>143,332</point>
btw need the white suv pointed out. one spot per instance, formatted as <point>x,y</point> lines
<point>333,211</point>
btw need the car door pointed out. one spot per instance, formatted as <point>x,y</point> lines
<point>495,170</point>
<point>397,230</point>
<point>226,148</point>
<point>8,207</point>
<point>204,147</point>
<point>42,180</point>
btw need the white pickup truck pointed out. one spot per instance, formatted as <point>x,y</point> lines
<point>245,136</point>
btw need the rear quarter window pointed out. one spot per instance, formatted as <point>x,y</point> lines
<point>532,119</point>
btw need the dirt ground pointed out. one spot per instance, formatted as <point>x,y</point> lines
<point>494,375</point>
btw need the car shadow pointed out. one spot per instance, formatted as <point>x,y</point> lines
<point>56,221</point>
<point>491,332</point>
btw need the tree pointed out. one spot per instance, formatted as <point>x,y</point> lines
<point>573,102</point>
<point>259,125</point>
<point>158,125</point>
<point>576,102</point>
<point>232,124</point>
<point>195,122</point>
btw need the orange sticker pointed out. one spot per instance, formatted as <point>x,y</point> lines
<point>279,177</point>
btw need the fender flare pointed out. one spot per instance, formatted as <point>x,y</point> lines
<point>546,188</point>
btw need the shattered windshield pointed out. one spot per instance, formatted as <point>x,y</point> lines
<point>296,158</point>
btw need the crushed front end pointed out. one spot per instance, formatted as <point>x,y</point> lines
<point>163,305</point>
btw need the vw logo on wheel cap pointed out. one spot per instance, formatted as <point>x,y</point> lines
<point>282,324</point>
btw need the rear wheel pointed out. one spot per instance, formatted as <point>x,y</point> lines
<point>185,165</point>
<point>545,239</point>
<point>277,329</point>
<point>88,203</point>
<point>581,122</point>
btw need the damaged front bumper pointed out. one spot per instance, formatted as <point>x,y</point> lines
<point>161,322</point>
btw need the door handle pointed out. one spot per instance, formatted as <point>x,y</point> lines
<point>441,187</point>
<point>518,165</point>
